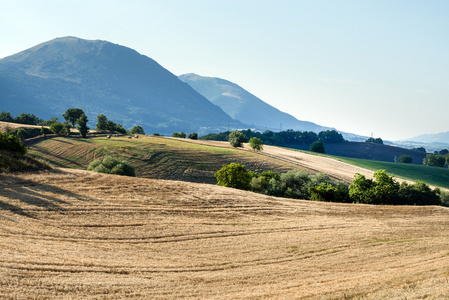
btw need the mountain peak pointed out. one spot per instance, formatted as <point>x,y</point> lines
<point>104,78</point>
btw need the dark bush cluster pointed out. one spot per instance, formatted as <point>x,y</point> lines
<point>12,143</point>
<point>111,165</point>
<point>383,189</point>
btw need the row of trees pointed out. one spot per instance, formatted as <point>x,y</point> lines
<point>383,189</point>
<point>283,138</point>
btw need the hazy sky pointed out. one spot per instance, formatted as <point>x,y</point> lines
<point>364,67</point>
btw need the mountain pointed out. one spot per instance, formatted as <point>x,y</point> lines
<point>441,138</point>
<point>244,106</point>
<point>104,78</point>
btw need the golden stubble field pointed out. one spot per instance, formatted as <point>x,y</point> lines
<point>69,234</point>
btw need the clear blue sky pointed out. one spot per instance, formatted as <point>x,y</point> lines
<point>364,67</point>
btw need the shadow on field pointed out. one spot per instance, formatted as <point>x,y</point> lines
<point>30,193</point>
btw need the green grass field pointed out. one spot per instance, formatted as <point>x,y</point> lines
<point>430,175</point>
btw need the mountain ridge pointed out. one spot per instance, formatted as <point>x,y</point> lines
<point>244,106</point>
<point>105,78</point>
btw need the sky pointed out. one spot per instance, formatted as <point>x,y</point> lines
<point>373,67</point>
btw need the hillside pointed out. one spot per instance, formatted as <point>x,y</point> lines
<point>244,106</point>
<point>77,234</point>
<point>372,151</point>
<point>104,78</point>
<point>156,157</point>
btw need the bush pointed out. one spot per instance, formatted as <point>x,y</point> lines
<point>111,165</point>
<point>434,160</point>
<point>318,147</point>
<point>329,193</point>
<point>256,144</point>
<point>57,128</point>
<point>235,176</point>
<point>193,136</point>
<point>137,130</point>
<point>12,143</point>
<point>405,159</point>
<point>181,135</point>
<point>236,138</point>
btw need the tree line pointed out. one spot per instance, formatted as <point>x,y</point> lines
<point>283,138</point>
<point>382,189</point>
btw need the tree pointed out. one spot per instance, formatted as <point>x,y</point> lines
<point>57,128</point>
<point>434,160</point>
<point>6,117</point>
<point>235,176</point>
<point>101,122</point>
<point>236,138</point>
<point>137,130</point>
<point>29,119</point>
<point>181,135</point>
<point>256,144</point>
<point>193,136</point>
<point>373,140</point>
<point>12,143</point>
<point>331,137</point>
<point>420,149</point>
<point>82,125</point>
<point>72,115</point>
<point>318,147</point>
<point>405,159</point>
<point>111,165</point>
<point>21,134</point>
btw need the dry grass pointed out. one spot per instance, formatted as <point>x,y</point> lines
<point>76,234</point>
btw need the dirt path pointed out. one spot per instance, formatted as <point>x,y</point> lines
<point>334,168</point>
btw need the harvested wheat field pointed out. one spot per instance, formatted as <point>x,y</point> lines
<point>77,234</point>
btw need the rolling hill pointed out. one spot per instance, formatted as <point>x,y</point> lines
<point>104,78</point>
<point>77,234</point>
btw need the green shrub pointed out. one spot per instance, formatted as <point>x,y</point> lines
<point>236,138</point>
<point>235,176</point>
<point>256,144</point>
<point>329,193</point>
<point>318,147</point>
<point>12,143</point>
<point>111,165</point>
<point>405,159</point>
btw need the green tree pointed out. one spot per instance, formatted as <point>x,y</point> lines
<point>6,117</point>
<point>137,130</point>
<point>256,144</point>
<point>82,125</point>
<point>318,147</point>
<point>29,119</point>
<point>111,165</point>
<point>373,140</point>
<point>72,115</point>
<point>235,176</point>
<point>12,143</point>
<point>405,159</point>
<point>57,128</point>
<point>383,190</point>
<point>21,133</point>
<point>434,160</point>
<point>102,120</point>
<point>236,138</point>
<point>180,135</point>
<point>193,136</point>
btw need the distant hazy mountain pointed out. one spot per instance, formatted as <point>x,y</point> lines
<point>104,78</point>
<point>244,106</point>
<point>442,137</point>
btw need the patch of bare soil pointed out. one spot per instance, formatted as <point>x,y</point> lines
<point>77,234</point>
